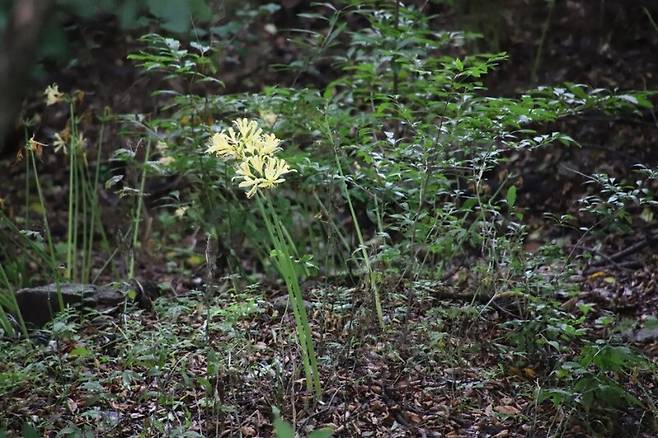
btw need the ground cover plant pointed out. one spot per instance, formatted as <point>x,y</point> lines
<point>351,251</point>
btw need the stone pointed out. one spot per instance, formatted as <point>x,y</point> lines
<point>39,304</point>
<point>282,302</point>
<point>646,335</point>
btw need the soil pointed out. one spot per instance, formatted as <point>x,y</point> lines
<point>374,389</point>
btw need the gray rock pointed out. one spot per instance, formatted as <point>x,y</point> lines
<point>39,304</point>
<point>646,335</point>
<point>282,302</point>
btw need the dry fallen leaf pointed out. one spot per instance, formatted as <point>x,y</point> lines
<point>72,405</point>
<point>596,275</point>
<point>530,373</point>
<point>507,410</point>
<point>415,418</point>
<point>248,431</point>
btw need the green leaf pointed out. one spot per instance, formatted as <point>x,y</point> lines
<point>132,294</point>
<point>556,395</point>
<point>80,352</point>
<point>127,14</point>
<point>511,196</point>
<point>113,181</point>
<point>651,323</point>
<point>200,10</point>
<point>29,431</point>
<point>174,14</point>
<point>269,8</point>
<point>283,429</point>
<point>325,432</point>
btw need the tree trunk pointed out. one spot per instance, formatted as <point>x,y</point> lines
<point>17,55</point>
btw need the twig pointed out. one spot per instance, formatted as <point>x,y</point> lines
<point>631,249</point>
<point>542,40</point>
<point>598,253</point>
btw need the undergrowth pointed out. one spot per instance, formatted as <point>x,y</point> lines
<point>394,194</point>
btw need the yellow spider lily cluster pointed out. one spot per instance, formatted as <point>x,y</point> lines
<point>52,94</point>
<point>258,166</point>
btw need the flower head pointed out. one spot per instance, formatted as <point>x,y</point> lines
<point>180,211</point>
<point>59,143</point>
<point>223,145</point>
<point>250,171</point>
<point>247,139</point>
<point>80,140</point>
<point>268,117</point>
<point>166,160</point>
<point>275,169</point>
<point>248,129</point>
<point>52,94</point>
<point>264,172</point>
<point>35,146</point>
<point>257,167</point>
<point>268,144</point>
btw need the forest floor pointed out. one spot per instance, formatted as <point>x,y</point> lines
<point>442,367</point>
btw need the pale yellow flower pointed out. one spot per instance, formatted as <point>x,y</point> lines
<point>52,94</point>
<point>224,145</point>
<point>248,129</point>
<point>263,172</point>
<point>250,171</point>
<point>166,160</point>
<point>77,146</point>
<point>250,167</point>
<point>80,140</point>
<point>257,166</point>
<point>250,186</point>
<point>268,117</point>
<point>180,212</point>
<point>275,169</point>
<point>35,146</point>
<point>268,145</point>
<point>59,144</point>
<point>249,140</point>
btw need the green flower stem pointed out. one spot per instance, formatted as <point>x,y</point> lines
<point>28,198</point>
<point>49,237</point>
<point>282,255</point>
<point>138,212</point>
<point>12,304</point>
<point>70,256</point>
<point>362,245</point>
<point>95,207</point>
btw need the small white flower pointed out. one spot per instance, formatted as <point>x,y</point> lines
<point>53,95</point>
<point>180,211</point>
<point>59,144</point>
<point>275,169</point>
<point>35,146</point>
<point>166,160</point>
<point>223,145</point>
<point>248,129</point>
<point>269,117</point>
<point>268,145</point>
